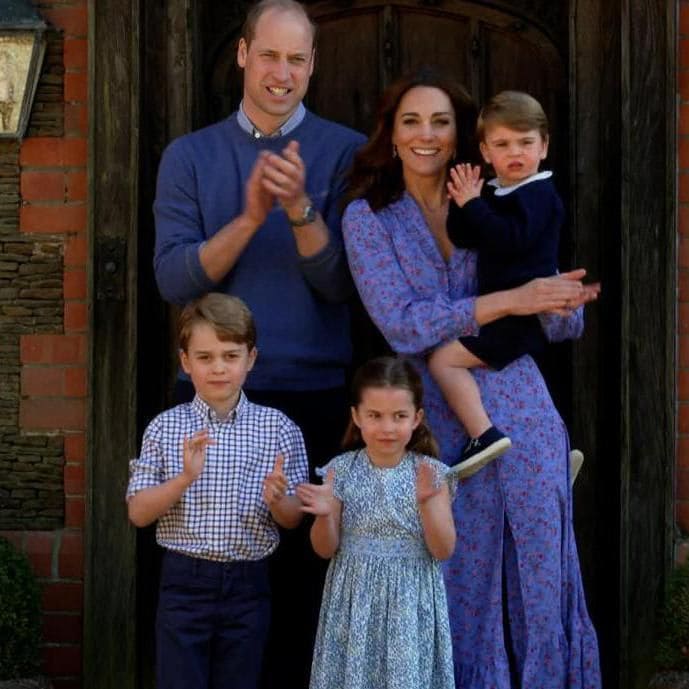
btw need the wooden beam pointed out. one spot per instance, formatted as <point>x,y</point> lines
<point>110,562</point>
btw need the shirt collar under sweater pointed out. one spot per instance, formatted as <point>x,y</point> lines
<point>293,121</point>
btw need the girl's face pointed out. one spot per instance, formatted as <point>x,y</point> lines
<point>424,132</point>
<point>514,155</point>
<point>386,418</point>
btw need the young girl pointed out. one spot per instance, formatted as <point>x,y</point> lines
<point>383,515</point>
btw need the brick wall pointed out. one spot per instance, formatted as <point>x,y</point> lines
<point>52,358</point>
<point>682,468</point>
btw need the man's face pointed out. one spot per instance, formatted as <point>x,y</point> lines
<point>277,66</point>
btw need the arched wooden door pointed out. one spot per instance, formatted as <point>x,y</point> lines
<point>363,45</point>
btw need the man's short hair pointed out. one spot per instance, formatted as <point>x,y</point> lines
<point>258,9</point>
<point>515,110</point>
<point>229,316</point>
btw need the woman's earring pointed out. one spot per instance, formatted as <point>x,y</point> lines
<point>394,151</point>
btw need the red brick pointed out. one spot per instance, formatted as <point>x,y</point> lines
<point>683,151</point>
<point>38,546</point>
<point>76,118</point>
<point>62,660</point>
<point>683,350</point>
<point>72,20</point>
<point>63,596</point>
<point>684,119</point>
<point>52,219</point>
<point>53,349</point>
<point>76,87</point>
<point>683,187</point>
<point>41,151</point>
<point>683,50</point>
<point>71,556</point>
<point>76,53</point>
<point>74,512</point>
<point>683,385</point>
<point>42,381</point>
<point>52,414</point>
<point>683,18</point>
<point>683,318</point>
<point>74,480</point>
<point>683,453</point>
<point>43,186</point>
<point>75,382</point>
<point>682,484</point>
<point>683,420</point>
<point>75,447</point>
<point>62,629</point>
<point>683,516</point>
<point>75,316</point>
<point>683,285</point>
<point>74,284</point>
<point>683,84</point>
<point>76,186</point>
<point>75,152</point>
<point>683,219</point>
<point>76,251</point>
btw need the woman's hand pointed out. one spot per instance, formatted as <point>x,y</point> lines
<point>559,294</point>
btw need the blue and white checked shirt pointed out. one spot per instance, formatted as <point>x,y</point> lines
<point>222,516</point>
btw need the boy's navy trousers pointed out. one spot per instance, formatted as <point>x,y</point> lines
<point>212,623</point>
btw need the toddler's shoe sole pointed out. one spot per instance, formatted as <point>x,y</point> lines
<point>576,459</point>
<point>475,463</point>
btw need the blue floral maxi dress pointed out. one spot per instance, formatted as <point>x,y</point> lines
<point>383,622</point>
<point>515,541</point>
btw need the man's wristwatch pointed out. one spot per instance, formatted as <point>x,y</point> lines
<point>308,215</point>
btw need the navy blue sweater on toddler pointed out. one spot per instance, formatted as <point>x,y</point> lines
<point>516,232</point>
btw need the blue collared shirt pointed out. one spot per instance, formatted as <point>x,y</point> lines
<point>222,516</point>
<point>292,122</point>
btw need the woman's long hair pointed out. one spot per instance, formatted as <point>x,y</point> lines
<point>391,372</point>
<point>376,174</point>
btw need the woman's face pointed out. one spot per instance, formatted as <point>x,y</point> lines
<point>424,132</point>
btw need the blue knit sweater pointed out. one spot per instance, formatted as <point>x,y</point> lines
<point>299,304</point>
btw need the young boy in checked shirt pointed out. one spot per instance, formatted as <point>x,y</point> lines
<point>218,474</point>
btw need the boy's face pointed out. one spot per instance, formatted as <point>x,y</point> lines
<point>514,155</point>
<point>217,368</point>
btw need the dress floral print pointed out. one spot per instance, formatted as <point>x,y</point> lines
<point>516,552</point>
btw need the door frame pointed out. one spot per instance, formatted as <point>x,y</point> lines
<point>630,47</point>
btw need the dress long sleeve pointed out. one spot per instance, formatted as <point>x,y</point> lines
<point>410,306</point>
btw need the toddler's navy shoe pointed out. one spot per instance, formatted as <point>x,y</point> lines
<point>480,451</point>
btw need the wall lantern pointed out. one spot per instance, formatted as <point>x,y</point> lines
<point>22,46</point>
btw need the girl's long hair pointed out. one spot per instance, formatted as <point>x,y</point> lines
<point>376,174</point>
<point>391,372</point>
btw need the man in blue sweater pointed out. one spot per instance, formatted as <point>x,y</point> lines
<point>251,207</point>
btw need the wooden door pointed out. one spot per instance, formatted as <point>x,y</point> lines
<point>599,68</point>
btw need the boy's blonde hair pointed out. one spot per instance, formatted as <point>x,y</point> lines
<point>514,110</point>
<point>228,316</point>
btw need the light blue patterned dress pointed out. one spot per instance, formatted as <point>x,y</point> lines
<point>383,621</point>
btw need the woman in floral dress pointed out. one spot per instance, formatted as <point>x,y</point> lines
<point>517,608</point>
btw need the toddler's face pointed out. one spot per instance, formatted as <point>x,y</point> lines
<point>514,155</point>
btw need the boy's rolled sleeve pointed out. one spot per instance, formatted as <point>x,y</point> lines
<point>146,470</point>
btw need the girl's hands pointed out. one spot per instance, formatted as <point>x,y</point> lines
<point>194,456</point>
<point>318,500</point>
<point>425,483</point>
<point>465,183</point>
<point>559,294</point>
<point>275,483</point>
